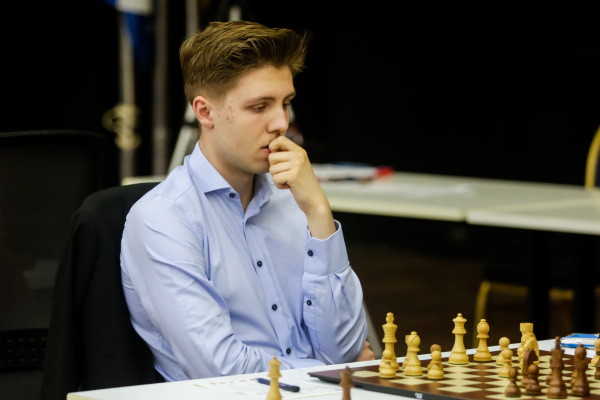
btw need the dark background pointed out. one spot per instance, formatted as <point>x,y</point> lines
<point>501,91</point>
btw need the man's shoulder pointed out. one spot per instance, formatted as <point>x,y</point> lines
<point>172,192</point>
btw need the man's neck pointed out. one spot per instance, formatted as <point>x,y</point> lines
<point>246,192</point>
<point>242,183</point>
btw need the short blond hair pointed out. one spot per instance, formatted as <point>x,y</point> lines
<point>213,60</point>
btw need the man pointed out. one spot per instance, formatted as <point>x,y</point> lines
<point>235,257</point>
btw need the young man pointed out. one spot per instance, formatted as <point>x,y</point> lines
<point>235,257</point>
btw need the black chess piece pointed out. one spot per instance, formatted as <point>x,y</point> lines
<point>512,389</point>
<point>533,386</point>
<point>556,386</point>
<point>580,385</point>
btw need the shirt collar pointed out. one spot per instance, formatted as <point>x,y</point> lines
<point>207,179</point>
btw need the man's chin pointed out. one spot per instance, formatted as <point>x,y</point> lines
<point>259,170</point>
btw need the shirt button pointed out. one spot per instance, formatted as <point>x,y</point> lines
<point>232,195</point>
<point>308,302</point>
<point>310,253</point>
<point>274,307</point>
<point>259,263</point>
<point>288,351</point>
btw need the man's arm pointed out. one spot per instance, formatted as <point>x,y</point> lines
<point>333,308</point>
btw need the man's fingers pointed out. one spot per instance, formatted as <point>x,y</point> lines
<point>366,354</point>
<point>281,143</point>
<point>292,157</point>
<point>281,180</point>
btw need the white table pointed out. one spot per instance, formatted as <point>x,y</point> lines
<point>200,388</point>
<point>581,216</point>
<point>578,216</point>
<point>441,197</point>
<point>526,205</point>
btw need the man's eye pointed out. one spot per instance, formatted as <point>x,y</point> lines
<point>259,107</point>
<point>287,105</point>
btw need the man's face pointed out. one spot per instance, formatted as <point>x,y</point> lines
<point>252,114</point>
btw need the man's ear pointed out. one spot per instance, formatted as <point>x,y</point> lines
<point>202,107</point>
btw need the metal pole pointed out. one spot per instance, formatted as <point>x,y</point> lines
<point>160,131</point>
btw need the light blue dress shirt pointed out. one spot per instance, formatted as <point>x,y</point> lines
<point>216,291</point>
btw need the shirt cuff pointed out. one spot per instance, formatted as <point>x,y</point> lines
<point>326,256</point>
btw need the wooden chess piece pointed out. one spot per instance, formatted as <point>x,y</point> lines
<point>405,355</point>
<point>346,383</point>
<point>503,371</point>
<point>528,341</point>
<point>483,353</point>
<point>512,389</point>
<point>434,347</point>
<point>533,385</point>
<point>529,358</point>
<point>549,376</point>
<point>531,341</point>
<point>580,385</point>
<point>597,356</point>
<point>458,355</point>
<point>274,375</point>
<point>435,369</point>
<point>597,372</point>
<point>389,364</point>
<point>523,330</point>
<point>412,366</point>
<point>556,386</point>
<point>504,342</point>
<point>580,354</point>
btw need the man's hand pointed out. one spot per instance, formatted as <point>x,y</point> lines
<point>366,354</point>
<point>291,169</point>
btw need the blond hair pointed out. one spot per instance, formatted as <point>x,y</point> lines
<point>213,60</point>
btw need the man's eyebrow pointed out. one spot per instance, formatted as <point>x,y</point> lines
<point>269,98</point>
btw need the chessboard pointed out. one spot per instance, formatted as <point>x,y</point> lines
<point>472,381</point>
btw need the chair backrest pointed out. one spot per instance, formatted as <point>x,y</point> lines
<point>592,175</point>
<point>44,177</point>
<point>92,344</point>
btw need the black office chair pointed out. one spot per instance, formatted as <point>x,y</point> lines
<point>44,177</point>
<point>506,277</point>
<point>92,344</point>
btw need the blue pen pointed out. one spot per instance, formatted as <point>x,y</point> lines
<point>282,386</point>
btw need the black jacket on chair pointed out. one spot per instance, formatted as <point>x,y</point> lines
<point>91,343</point>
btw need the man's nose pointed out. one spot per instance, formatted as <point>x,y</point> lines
<point>280,122</point>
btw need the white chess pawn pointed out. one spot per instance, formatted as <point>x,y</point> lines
<point>504,342</point>
<point>504,370</point>
<point>435,369</point>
